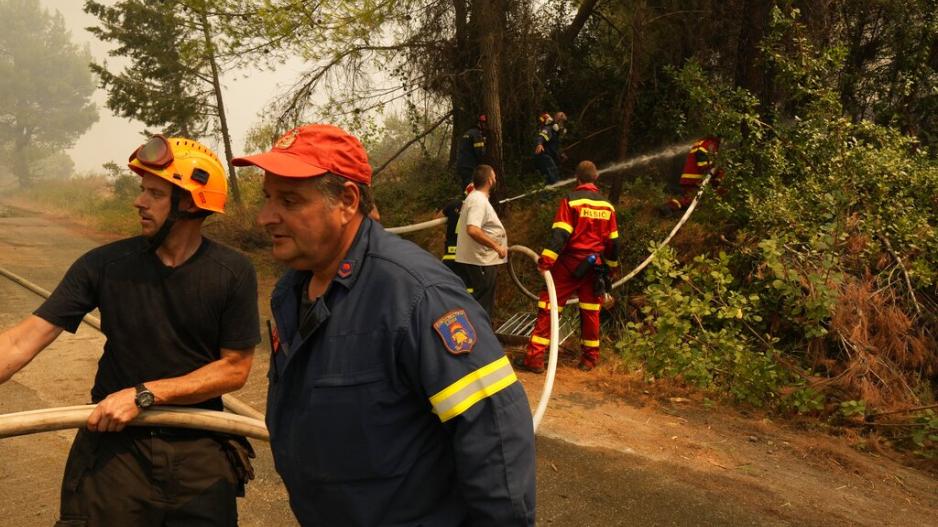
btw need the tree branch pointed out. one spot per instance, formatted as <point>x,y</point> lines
<point>426,132</point>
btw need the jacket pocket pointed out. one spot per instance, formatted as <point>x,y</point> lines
<point>339,437</point>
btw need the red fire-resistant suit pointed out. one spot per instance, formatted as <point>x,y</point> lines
<point>698,163</point>
<point>585,224</point>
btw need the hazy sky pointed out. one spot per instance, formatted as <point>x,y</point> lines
<point>113,138</point>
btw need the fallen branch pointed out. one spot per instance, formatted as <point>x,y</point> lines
<point>905,273</point>
<point>902,411</point>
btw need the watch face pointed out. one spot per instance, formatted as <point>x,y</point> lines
<point>144,399</point>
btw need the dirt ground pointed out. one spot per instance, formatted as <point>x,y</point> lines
<point>608,453</point>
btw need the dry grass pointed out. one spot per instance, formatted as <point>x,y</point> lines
<point>884,356</point>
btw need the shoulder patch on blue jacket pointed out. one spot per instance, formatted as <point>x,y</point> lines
<point>456,331</point>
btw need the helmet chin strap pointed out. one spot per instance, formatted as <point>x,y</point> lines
<point>175,214</point>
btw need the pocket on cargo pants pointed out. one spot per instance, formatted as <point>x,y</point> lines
<point>81,459</point>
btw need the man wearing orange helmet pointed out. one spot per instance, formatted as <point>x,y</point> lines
<point>180,315</point>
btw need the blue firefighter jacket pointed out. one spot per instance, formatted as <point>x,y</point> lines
<point>471,149</point>
<point>400,407</point>
<point>550,138</point>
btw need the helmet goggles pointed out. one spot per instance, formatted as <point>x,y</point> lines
<point>155,153</point>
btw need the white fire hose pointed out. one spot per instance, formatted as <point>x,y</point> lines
<point>554,338</point>
<point>50,419</point>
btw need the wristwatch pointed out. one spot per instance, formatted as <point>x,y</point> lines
<point>144,398</point>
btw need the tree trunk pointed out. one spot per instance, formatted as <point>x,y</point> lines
<point>458,89</point>
<point>491,15</point>
<point>222,119</point>
<point>629,99</point>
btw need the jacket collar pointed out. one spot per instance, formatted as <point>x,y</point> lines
<point>588,186</point>
<point>347,274</point>
<point>350,266</point>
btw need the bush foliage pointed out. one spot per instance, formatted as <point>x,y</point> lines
<point>825,292</point>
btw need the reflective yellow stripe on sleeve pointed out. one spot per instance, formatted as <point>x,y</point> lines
<point>550,254</point>
<point>563,226</point>
<point>449,257</point>
<point>478,145</point>
<point>590,343</point>
<point>612,263</point>
<point>546,305</point>
<point>539,340</point>
<point>692,176</point>
<point>472,388</point>
<point>613,235</point>
<point>703,163</point>
<point>589,307</point>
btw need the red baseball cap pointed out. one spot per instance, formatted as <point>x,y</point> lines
<point>313,150</point>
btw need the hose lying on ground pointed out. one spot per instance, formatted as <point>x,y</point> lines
<point>50,419</point>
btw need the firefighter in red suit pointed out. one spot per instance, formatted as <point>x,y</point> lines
<point>699,162</point>
<point>584,237</point>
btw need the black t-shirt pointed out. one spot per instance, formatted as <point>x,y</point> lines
<point>159,321</point>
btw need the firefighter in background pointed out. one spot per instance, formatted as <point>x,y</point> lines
<point>547,155</point>
<point>471,151</point>
<point>699,162</point>
<point>584,238</point>
<point>451,212</point>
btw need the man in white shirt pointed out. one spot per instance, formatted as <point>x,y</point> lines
<point>481,242</point>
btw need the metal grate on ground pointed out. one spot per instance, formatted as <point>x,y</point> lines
<point>517,329</point>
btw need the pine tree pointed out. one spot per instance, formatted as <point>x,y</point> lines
<point>172,82</point>
<point>45,85</point>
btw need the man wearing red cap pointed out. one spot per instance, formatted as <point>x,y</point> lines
<point>390,402</point>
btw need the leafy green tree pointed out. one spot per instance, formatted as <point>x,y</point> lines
<point>45,85</point>
<point>173,80</point>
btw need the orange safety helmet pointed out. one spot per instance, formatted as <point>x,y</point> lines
<point>187,164</point>
<point>545,119</point>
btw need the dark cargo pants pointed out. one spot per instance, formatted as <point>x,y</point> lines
<point>148,477</point>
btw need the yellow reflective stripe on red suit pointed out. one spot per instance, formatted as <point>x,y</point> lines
<point>562,225</point>
<point>593,203</point>
<point>472,388</point>
<point>546,305</point>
